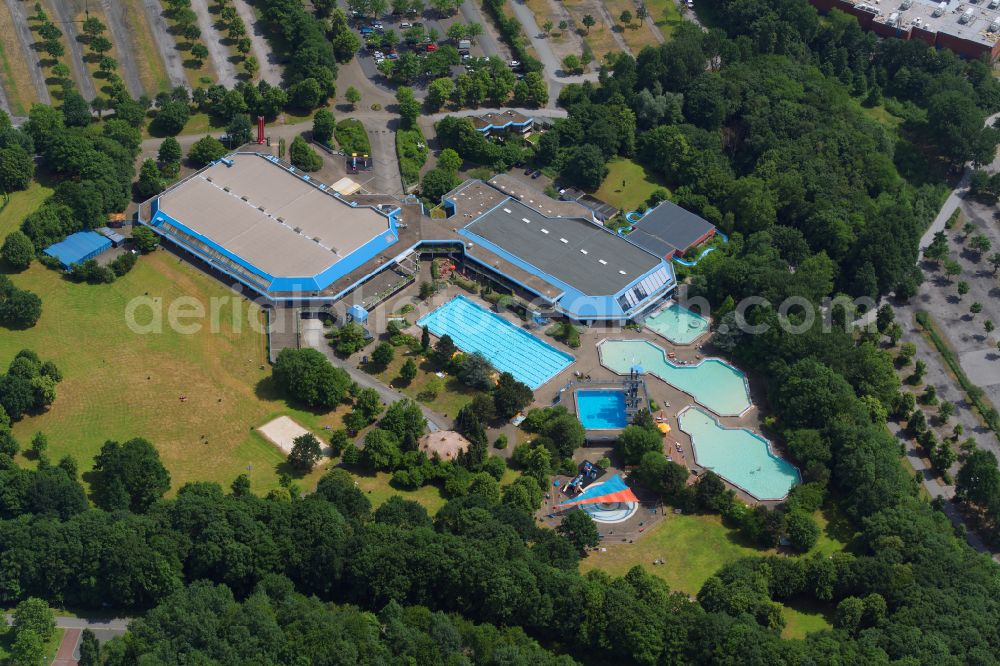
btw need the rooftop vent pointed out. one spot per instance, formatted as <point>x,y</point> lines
<point>225,189</point>
<point>298,230</point>
<point>243,198</point>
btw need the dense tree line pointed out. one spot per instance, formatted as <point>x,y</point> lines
<point>771,131</point>
<point>94,166</point>
<point>16,150</point>
<point>205,623</point>
<point>310,59</point>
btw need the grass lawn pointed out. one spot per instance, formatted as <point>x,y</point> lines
<point>51,81</point>
<point>14,72</point>
<point>803,618</point>
<point>638,185</point>
<point>666,14</point>
<point>835,532</point>
<point>449,400</point>
<point>51,646</point>
<point>183,45</point>
<point>599,37</point>
<point>118,384</point>
<point>695,547</point>
<point>91,61</point>
<point>882,116</point>
<point>378,490</point>
<point>152,71</point>
<point>635,35</point>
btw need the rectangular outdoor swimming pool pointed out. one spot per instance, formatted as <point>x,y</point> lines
<point>678,324</point>
<point>601,409</point>
<point>507,347</point>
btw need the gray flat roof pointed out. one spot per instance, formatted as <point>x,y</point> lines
<point>575,251</point>
<point>669,226</point>
<point>951,21</point>
<point>301,230</point>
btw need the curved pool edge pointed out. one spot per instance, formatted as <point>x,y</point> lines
<point>767,444</point>
<point>707,332</point>
<point>743,375</point>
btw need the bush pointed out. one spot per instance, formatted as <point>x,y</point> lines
<point>323,126</point>
<point>303,157</point>
<point>123,263</point>
<point>18,250</point>
<point>205,150</point>
<point>411,147</point>
<point>145,239</point>
<point>170,119</point>
<point>352,137</point>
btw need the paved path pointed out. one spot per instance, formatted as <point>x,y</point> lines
<point>31,57</point>
<point>4,104</point>
<point>382,135</point>
<point>552,66</point>
<point>488,40</point>
<point>67,648</point>
<point>225,71</point>
<point>389,395</point>
<point>119,29</point>
<point>371,119</point>
<point>67,23</point>
<point>165,43</point>
<point>270,70</point>
<point>614,28</point>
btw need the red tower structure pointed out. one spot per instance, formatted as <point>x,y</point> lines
<point>260,130</point>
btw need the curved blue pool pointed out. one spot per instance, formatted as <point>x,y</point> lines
<point>711,382</point>
<point>509,348</point>
<point>738,455</point>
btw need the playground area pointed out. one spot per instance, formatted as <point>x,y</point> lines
<point>622,513</point>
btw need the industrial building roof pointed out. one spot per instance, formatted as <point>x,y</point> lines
<point>275,220</point>
<point>586,256</point>
<point>78,247</point>
<point>970,21</point>
<point>669,228</point>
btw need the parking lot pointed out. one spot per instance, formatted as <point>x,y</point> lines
<point>433,24</point>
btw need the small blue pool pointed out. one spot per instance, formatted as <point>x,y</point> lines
<point>509,348</point>
<point>601,410</point>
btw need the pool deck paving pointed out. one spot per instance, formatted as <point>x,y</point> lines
<point>669,399</point>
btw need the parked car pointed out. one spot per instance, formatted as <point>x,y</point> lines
<point>431,47</point>
<point>515,64</point>
<point>405,25</point>
<point>365,30</point>
<point>536,175</point>
<point>392,55</point>
<point>529,171</point>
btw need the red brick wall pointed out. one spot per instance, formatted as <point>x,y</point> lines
<point>962,47</point>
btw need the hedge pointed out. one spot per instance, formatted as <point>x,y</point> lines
<point>353,137</point>
<point>411,155</point>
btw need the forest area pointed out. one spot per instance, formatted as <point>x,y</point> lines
<point>763,125</point>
